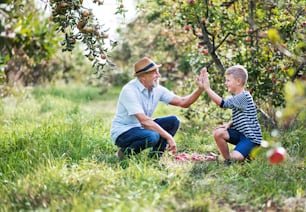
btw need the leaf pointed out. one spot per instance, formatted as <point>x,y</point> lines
<point>273,36</point>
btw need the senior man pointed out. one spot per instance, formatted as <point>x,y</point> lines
<point>133,128</point>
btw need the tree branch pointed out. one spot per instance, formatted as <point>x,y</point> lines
<point>210,46</point>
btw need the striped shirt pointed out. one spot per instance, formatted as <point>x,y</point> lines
<point>244,116</point>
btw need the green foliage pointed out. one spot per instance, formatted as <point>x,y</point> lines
<point>78,23</point>
<point>56,154</point>
<point>295,95</point>
<point>29,38</point>
<point>266,37</point>
<point>26,28</point>
<point>28,42</point>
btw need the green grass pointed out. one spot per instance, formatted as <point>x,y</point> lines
<point>56,155</point>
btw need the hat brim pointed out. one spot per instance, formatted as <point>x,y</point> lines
<point>149,70</point>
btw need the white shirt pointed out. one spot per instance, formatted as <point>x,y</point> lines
<point>135,98</point>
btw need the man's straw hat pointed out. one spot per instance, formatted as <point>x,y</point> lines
<point>144,65</point>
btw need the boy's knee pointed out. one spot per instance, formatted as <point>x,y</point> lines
<point>219,132</point>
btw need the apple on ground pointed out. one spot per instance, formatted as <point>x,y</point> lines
<point>277,155</point>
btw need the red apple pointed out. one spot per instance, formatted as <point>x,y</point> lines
<point>86,13</point>
<point>80,25</point>
<point>72,40</point>
<point>182,156</point>
<point>63,4</point>
<point>187,27</point>
<point>278,155</point>
<point>231,40</point>
<point>104,35</point>
<point>249,31</point>
<point>103,56</point>
<point>248,39</point>
<point>191,1</point>
<point>262,34</point>
<point>87,29</point>
<point>205,51</point>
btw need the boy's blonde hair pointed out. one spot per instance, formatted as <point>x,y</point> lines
<point>238,71</point>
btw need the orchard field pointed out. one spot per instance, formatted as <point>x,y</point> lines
<point>61,71</point>
<point>56,155</point>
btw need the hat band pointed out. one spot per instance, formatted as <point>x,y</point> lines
<point>145,68</point>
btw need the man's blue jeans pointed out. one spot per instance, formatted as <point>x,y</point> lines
<point>137,139</point>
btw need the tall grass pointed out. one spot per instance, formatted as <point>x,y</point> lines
<point>56,154</point>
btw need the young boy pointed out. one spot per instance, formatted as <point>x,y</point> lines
<point>244,130</point>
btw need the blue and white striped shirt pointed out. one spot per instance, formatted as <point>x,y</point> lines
<point>244,116</point>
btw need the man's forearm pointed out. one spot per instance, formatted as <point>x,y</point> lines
<point>191,98</point>
<point>152,125</point>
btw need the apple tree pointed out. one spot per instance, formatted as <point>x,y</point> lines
<point>78,24</point>
<point>28,41</point>
<point>268,38</point>
<point>29,38</point>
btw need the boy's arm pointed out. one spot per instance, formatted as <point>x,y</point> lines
<point>212,94</point>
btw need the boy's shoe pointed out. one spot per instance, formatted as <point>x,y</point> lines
<point>228,162</point>
<point>120,154</point>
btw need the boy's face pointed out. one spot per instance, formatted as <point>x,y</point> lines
<point>232,84</point>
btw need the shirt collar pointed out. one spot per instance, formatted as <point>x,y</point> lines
<point>143,89</point>
<point>140,86</point>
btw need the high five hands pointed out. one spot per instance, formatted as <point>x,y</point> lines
<point>203,80</point>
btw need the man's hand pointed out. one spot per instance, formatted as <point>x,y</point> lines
<point>200,82</point>
<point>171,146</point>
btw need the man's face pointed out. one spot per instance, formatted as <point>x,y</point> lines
<point>152,78</point>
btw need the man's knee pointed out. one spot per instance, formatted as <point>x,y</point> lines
<point>176,121</point>
<point>169,123</point>
<point>153,138</point>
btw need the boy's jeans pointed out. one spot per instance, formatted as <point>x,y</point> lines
<point>137,139</point>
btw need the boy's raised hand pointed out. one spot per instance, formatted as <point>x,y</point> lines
<point>204,77</point>
<point>204,71</point>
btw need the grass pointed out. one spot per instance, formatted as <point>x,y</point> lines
<point>56,155</point>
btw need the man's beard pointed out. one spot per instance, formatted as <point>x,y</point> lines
<point>155,83</point>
